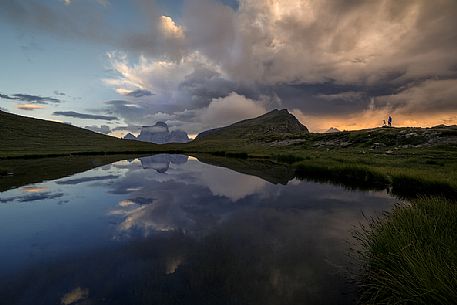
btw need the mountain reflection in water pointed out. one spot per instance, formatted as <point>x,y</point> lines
<point>168,229</point>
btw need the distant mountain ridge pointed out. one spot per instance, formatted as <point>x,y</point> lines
<point>273,123</point>
<point>333,130</point>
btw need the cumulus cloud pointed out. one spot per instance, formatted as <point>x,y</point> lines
<point>86,116</point>
<point>230,109</point>
<point>170,28</point>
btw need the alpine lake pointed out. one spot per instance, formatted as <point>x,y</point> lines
<point>176,229</point>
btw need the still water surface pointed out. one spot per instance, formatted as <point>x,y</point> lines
<point>168,229</point>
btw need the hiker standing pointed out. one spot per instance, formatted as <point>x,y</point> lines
<point>389,121</point>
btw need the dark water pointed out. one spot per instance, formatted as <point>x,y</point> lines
<point>171,230</point>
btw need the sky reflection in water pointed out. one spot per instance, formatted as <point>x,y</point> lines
<point>171,230</point>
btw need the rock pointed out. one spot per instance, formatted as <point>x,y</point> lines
<point>160,134</point>
<point>345,144</point>
<point>332,130</point>
<point>129,136</point>
<point>161,162</point>
<point>378,145</point>
<point>411,134</point>
<point>178,136</point>
<point>389,152</point>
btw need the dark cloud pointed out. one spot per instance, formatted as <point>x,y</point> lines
<point>30,98</point>
<point>35,99</point>
<point>100,129</point>
<point>77,21</point>
<point>78,115</point>
<point>6,97</point>
<point>139,93</point>
<point>127,128</point>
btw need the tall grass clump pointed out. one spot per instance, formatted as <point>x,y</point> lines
<point>410,255</point>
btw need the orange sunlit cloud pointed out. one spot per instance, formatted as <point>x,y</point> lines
<point>34,189</point>
<point>29,107</point>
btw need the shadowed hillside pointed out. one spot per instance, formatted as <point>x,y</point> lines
<point>24,136</point>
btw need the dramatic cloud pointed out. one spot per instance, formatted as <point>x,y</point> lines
<point>341,61</point>
<point>322,58</point>
<point>78,115</point>
<point>430,96</point>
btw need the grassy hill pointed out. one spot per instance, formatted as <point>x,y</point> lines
<point>24,136</point>
<point>272,124</point>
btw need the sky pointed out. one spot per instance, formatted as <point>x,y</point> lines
<point>112,66</point>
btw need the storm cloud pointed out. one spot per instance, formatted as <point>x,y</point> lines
<point>323,58</point>
<point>347,64</point>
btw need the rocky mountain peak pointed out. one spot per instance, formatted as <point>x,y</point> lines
<point>159,134</point>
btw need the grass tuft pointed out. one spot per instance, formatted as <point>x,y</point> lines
<point>410,255</point>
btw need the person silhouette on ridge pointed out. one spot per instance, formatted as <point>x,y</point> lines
<point>389,121</point>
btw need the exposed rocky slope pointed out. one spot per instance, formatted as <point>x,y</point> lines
<point>129,136</point>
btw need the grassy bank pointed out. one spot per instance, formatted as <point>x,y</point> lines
<point>406,173</point>
<point>410,255</point>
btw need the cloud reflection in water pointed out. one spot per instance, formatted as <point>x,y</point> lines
<point>200,234</point>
